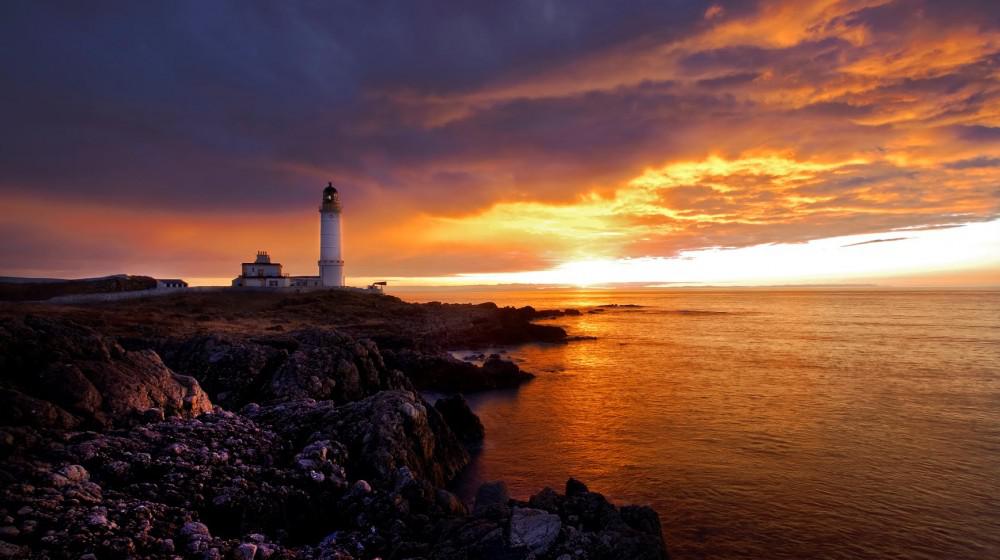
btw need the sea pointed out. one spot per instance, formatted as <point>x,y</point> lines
<point>762,423</point>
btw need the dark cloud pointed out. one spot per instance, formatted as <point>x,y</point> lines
<point>978,133</point>
<point>728,80</point>
<point>876,241</point>
<point>896,16</point>
<point>194,104</point>
<point>981,162</point>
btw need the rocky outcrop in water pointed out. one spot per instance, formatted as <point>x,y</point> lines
<point>443,372</point>
<point>463,422</point>
<point>513,325</point>
<point>579,524</point>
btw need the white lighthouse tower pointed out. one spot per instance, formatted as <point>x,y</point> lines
<point>331,262</point>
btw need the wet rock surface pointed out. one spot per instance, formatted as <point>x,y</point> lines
<point>443,372</point>
<point>317,447</point>
<point>463,422</point>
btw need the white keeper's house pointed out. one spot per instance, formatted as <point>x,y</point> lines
<point>262,273</point>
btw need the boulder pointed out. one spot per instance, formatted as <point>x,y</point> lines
<point>231,369</point>
<point>334,366</point>
<point>460,418</point>
<point>534,529</point>
<point>492,500</point>
<point>18,409</point>
<point>575,488</point>
<point>444,372</point>
<point>70,375</point>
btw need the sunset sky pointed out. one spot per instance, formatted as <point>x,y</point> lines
<point>556,142</point>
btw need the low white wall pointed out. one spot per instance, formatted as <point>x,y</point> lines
<point>134,294</point>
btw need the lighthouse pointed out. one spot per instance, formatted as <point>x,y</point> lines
<point>331,261</point>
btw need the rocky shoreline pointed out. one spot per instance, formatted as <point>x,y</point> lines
<point>267,426</point>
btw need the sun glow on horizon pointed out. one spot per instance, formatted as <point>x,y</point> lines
<point>900,257</point>
<point>666,213</point>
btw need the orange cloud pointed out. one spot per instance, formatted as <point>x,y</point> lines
<point>717,202</point>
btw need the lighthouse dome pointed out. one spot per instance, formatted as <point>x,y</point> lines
<point>329,192</point>
<point>331,200</point>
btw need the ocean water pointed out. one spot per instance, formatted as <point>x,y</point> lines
<point>765,424</point>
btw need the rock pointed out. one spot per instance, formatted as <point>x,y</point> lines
<point>362,487</point>
<point>547,500</point>
<point>460,418</point>
<point>388,430</point>
<point>98,519</point>
<point>444,372</point>
<point>308,363</point>
<point>575,488</point>
<point>195,530</point>
<point>197,537</point>
<point>230,368</point>
<point>534,529</point>
<point>449,503</point>
<point>492,500</point>
<point>509,325</point>
<point>8,550</point>
<point>70,474</point>
<point>605,531</point>
<point>152,415</point>
<point>19,409</point>
<point>85,378</point>
<point>642,518</point>
<point>246,551</point>
<point>263,492</point>
<point>106,450</point>
<point>410,411</point>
